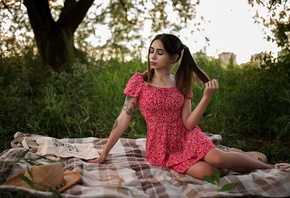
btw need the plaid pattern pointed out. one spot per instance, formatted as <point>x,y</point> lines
<point>126,173</point>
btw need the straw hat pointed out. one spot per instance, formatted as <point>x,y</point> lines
<point>44,177</point>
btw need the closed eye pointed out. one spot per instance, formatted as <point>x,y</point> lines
<point>159,51</point>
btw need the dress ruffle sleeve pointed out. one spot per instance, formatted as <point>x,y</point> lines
<point>134,85</point>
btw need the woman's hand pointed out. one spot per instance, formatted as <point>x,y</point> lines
<point>210,88</point>
<point>100,159</point>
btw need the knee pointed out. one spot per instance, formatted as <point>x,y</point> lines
<point>201,171</point>
<point>209,171</point>
<point>217,160</point>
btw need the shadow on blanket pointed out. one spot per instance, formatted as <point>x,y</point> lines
<point>127,174</point>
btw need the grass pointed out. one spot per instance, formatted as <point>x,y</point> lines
<point>250,110</point>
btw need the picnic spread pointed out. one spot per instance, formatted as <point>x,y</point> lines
<point>125,173</point>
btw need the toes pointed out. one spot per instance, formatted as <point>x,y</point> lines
<point>282,166</point>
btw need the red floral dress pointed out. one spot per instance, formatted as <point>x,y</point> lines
<point>169,144</point>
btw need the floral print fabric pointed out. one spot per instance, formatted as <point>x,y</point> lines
<point>169,144</point>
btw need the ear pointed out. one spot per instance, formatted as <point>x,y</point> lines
<point>174,58</point>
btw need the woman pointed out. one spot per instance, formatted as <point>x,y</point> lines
<point>173,138</point>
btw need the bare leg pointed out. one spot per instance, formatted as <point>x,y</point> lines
<point>257,155</point>
<point>200,169</point>
<point>235,161</point>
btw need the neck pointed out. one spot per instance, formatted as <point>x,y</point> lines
<point>162,74</point>
<point>162,78</point>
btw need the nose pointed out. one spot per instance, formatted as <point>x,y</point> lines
<point>153,55</point>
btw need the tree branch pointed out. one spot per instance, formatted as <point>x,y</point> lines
<point>73,13</point>
<point>39,14</point>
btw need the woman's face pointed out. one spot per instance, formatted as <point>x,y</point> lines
<point>158,57</point>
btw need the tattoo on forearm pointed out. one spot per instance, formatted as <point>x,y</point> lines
<point>130,111</point>
<point>127,102</point>
<point>129,106</point>
<point>128,98</point>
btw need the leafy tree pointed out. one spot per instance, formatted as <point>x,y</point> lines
<point>277,20</point>
<point>274,75</point>
<point>58,24</point>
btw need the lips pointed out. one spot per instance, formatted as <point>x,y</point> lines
<point>153,63</point>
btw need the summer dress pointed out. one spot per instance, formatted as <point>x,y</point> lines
<point>169,144</point>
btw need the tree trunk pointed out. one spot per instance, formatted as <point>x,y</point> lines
<point>56,48</point>
<point>55,39</point>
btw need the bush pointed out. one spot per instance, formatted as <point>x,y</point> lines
<point>83,103</point>
<point>252,104</point>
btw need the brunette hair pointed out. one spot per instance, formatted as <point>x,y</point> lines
<point>187,68</point>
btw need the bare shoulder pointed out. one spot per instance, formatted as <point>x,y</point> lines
<point>172,79</point>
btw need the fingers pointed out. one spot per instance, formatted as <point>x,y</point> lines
<point>212,84</point>
<point>93,160</point>
<point>210,88</point>
<point>96,160</point>
<point>101,158</point>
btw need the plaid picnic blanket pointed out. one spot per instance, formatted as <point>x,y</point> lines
<point>126,173</point>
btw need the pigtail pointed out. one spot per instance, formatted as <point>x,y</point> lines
<point>187,69</point>
<point>191,63</point>
<point>185,73</point>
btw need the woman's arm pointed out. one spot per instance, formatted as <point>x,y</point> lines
<point>191,118</point>
<point>119,127</point>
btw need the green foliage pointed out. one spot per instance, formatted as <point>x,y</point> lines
<point>30,181</point>
<point>16,194</point>
<point>27,180</point>
<point>215,180</point>
<point>83,103</point>
<point>250,110</point>
<point>57,28</point>
<point>20,157</point>
<point>277,20</point>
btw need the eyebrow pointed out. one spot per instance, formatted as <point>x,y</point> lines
<point>158,49</point>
